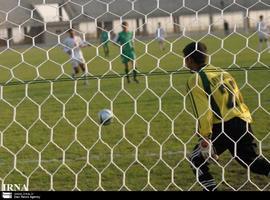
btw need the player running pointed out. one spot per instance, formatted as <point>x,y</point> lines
<point>73,45</point>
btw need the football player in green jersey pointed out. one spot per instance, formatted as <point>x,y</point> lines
<point>104,40</point>
<point>223,119</point>
<point>128,55</point>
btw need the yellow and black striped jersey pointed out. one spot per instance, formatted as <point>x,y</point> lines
<point>215,97</point>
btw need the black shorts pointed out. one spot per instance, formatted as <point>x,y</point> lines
<point>239,132</point>
<point>238,138</point>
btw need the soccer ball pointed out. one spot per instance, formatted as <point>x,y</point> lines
<point>105,116</point>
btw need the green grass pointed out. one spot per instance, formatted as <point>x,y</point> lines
<point>54,134</point>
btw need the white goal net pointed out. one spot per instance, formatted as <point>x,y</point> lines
<point>50,135</point>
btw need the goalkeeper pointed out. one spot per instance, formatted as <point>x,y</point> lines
<point>223,118</point>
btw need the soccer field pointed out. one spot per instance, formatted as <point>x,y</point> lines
<point>50,138</point>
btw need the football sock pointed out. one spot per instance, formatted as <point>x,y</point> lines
<point>85,80</point>
<point>126,70</point>
<point>268,44</point>
<point>260,47</point>
<point>134,74</point>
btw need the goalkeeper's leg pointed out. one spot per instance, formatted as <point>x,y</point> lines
<point>200,168</point>
<point>246,149</point>
<point>200,165</point>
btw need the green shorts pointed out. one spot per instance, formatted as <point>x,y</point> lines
<point>128,56</point>
<point>105,43</point>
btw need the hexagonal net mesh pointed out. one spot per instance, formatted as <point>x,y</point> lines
<point>61,62</point>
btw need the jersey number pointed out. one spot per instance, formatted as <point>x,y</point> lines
<point>234,100</point>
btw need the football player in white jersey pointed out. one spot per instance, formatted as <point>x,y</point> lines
<point>263,34</point>
<point>160,36</point>
<point>73,45</point>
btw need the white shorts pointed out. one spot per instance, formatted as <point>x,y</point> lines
<point>160,39</point>
<point>263,37</point>
<point>77,61</point>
